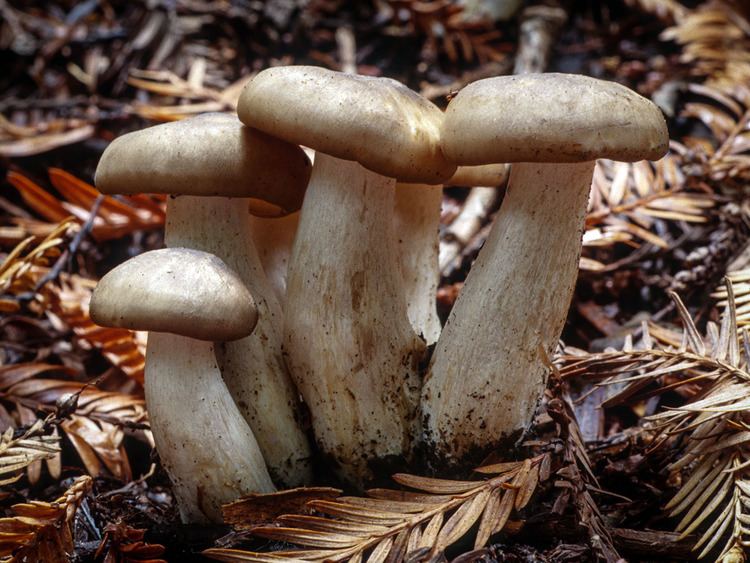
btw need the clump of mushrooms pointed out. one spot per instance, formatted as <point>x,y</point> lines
<point>187,299</point>
<point>487,373</point>
<point>349,343</point>
<point>215,155</point>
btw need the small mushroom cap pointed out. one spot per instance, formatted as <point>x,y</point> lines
<point>378,122</point>
<point>551,118</point>
<point>208,155</point>
<point>178,290</point>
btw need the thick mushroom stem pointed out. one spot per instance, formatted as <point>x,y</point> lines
<point>349,344</point>
<point>205,445</point>
<point>417,222</point>
<point>252,367</point>
<point>486,376</point>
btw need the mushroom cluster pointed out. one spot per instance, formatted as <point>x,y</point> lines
<point>341,296</point>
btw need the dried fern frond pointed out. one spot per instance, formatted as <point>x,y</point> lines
<point>670,11</point>
<point>715,43</point>
<point>740,280</point>
<point>722,160</point>
<point>65,302</point>
<point>710,435</point>
<point>630,202</point>
<point>657,365</point>
<point>16,454</point>
<point>22,267</point>
<point>96,426</point>
<point>391,525</point>
<point>116,217</point>
<point>68,301</point>
<point>43,531</point>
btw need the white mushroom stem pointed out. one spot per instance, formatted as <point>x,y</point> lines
<point>205,445</point>
<point>417,222</point>
<point>487,374</point>
<point>274,238</point>
<point>350,347</point>
<point>252,367</point>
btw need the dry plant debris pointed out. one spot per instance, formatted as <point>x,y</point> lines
<point>673,399</point>
<point>708,435</point>
<point>32,446</point>
<point>43,531</point>
<point>394,525</point>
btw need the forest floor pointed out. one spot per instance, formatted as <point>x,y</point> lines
<point>640,449</point>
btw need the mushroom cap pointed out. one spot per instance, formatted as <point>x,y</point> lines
<point>178,290</point>
<point>551,118</point>
<point>378,122</point>
<point>208,155</point>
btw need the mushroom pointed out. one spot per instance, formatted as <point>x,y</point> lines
<point>274,237</point>
<point>417,216</point>
<point>487,373</point>
<point>186,299</point>
<point>215,155</point>
<point>348,340</point>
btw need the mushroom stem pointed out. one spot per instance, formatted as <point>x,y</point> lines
<point>273,238</point>
<point>487,374</point>
<point>351,349</point>
<point>252,367</point>
<point>417,222</point>
<point>206,447</point>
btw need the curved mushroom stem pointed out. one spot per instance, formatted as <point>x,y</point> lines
<point>350,347</point>
<point>205,445</point>
<point>252,367</point>
<point>417,222</point>
<point>274,238</point>
<point>487,375</point>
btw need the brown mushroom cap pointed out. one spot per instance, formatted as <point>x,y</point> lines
<point>377,122</point>
<point>177,290</point>
<point>208,155</point>
<point>551,118</point>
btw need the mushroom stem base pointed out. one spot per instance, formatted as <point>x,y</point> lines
<point>205,445</point>
<point>350,347</point>
<point>252,367</point>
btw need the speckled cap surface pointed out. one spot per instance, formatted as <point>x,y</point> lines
<point>177,290</point>
<point>208,155</point>
<point>378,122</point>
<point>551,118</point>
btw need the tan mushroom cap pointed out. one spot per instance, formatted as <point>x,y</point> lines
<point>551,118</point>
<point>178,290</point>
<point>378,122</point>
<point>208,155</point>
